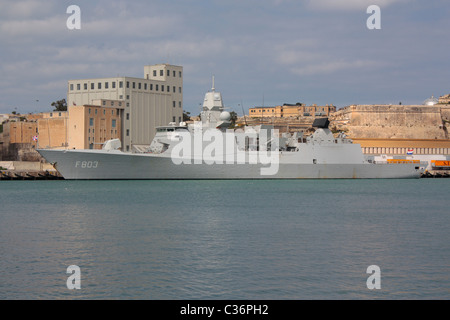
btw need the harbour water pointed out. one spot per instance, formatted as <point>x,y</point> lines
<point>274,239</point>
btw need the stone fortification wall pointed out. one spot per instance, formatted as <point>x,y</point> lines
<point>393,121</point>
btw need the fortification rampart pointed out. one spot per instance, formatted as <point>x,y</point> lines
<point>393,121</point>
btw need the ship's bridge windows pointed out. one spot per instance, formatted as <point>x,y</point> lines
<point>172,129</point>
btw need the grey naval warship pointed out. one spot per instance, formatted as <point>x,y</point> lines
<point>208,149</point>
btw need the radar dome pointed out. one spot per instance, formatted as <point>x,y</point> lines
<point>431,101</point>
<point>225,116</point>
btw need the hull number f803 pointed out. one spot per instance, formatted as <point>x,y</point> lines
<point>86,164</point>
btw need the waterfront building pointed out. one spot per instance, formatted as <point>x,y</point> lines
<point>91,125</point>
<point>151,101</point>
<point>292,111</point>
<point>52,129</point>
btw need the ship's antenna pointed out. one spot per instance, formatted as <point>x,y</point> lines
<point>245,120</point>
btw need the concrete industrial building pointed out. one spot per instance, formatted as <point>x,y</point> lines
<point>154,100</point>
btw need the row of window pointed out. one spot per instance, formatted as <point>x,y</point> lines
<point>134,85</point>
<point>91,123</point>
<point>104,111</point>
<point>93,131</point>
<point>161,73</point>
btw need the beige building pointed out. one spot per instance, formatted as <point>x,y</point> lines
<point>91,125</point>
<point>16,140</point>
<point>52,129</point>
<point>20,132</point>
<point>151,101</point>
<point>291,111</point>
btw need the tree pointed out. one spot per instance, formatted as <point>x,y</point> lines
<point>60,105</point>
<point>186,116</point>
<point>234,117</point>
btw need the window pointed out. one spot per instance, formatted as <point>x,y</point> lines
<point>91,122</point>
<point>174,89</point>
<point>173,103</point>
<point>113,85</point>
<point>179,119</point>
<point>120,97</point>
<point>174,73</point>
<point>145,86</point>
<point>78,86</point>
<point>168,88</point>
<point>161,72</point>
<point>92,86</point>
<point>179,104</point>
<point>121,84</point>
<point>95,111</point>
<point>71,87</point>
<point>128,97</point>
<point>106,85</point>
<point>151,86</point>
<point>154,73</point>
<point>128,116</point>
<point>174,118</point>
<point>99,85</point>
<point>85,86</point>
<point>112,103</point>
<point>113,123</point>
<point>168,73</point>
<point>162,87</point>
<point>156,87</point>
<point>112,112</point>
<point>128,84</point>
<point>104,112</point>
<point>179,74</point>
<point>179,89</point>
<point>120,104</point>
<point>128,132</point>
<point>104,102</point>
<point>139,85</point>
<point>134,85</point>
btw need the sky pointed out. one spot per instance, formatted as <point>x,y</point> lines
<point>261,52</point>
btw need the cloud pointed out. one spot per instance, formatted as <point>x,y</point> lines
<point>16,10</point>
<point>330,67</point>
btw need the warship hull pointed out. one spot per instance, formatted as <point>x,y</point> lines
<point>104,165</point>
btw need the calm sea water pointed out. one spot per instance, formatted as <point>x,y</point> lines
<point>225,239</point>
